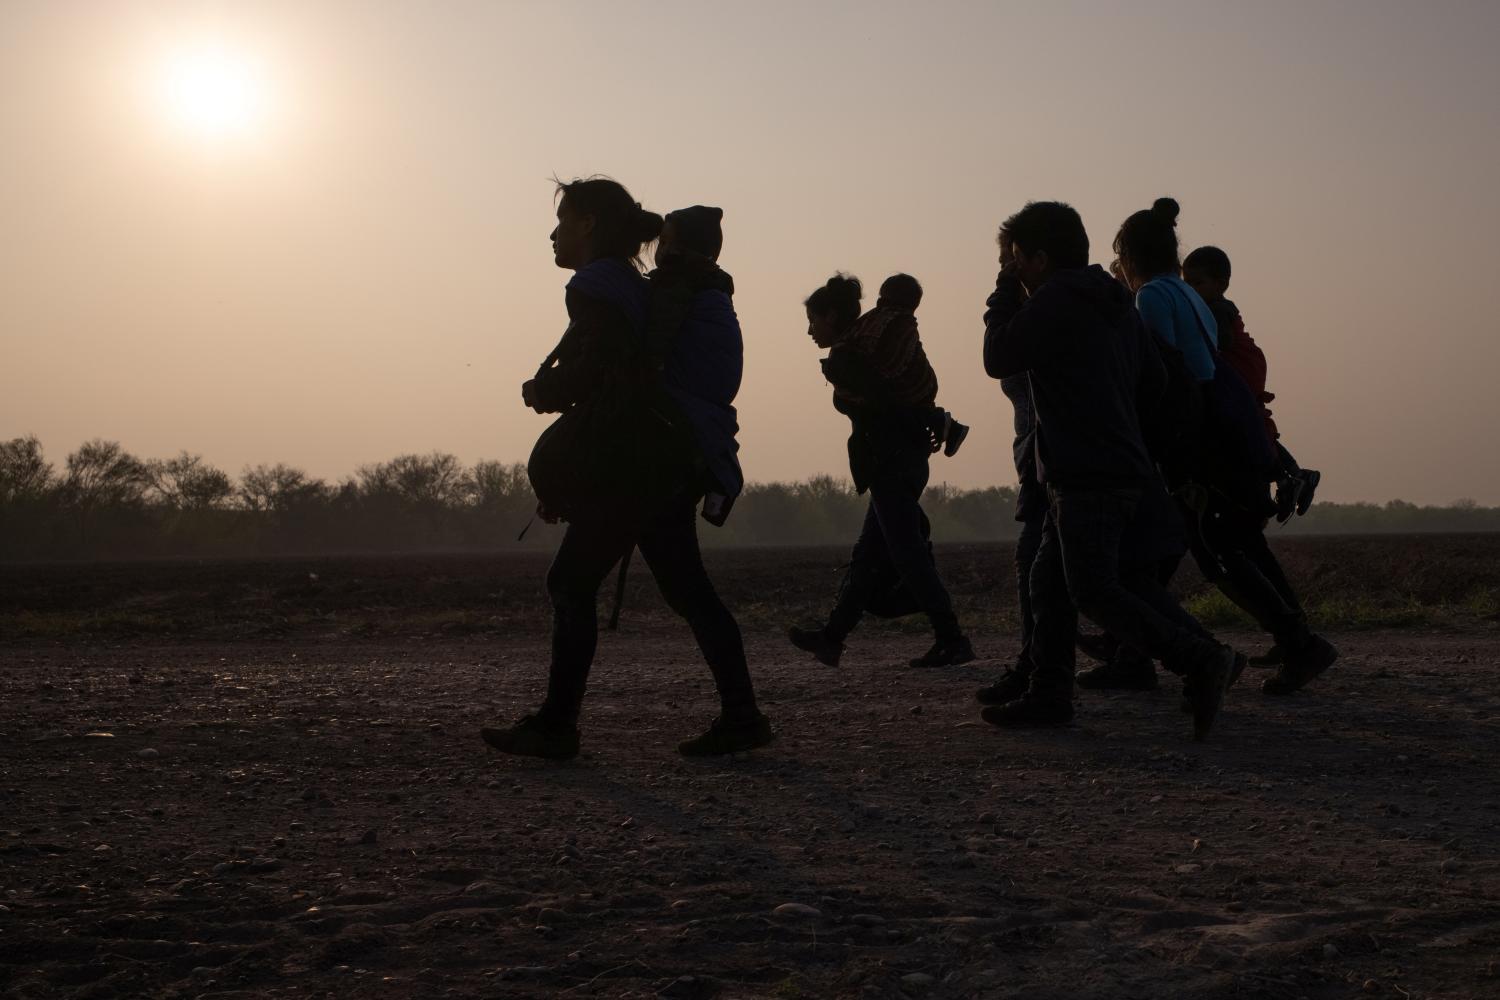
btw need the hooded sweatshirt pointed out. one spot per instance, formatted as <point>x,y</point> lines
<point>1089,363</point>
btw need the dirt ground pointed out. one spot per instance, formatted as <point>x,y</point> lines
<point>316,817</point>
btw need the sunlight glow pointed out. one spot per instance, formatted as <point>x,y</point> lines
<point>213,91</point>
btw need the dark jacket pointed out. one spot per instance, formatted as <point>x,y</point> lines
<point>620,439</point>
<point>1089,364</point>
<point>694,331</point>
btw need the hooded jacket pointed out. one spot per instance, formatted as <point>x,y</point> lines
<point>1090,363</point>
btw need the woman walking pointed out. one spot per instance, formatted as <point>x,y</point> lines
<point>619,466</point>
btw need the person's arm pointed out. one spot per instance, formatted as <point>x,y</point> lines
<point>1153,381</point>
<point>1009,335</point>
<point>601,339</point>
<point>1155,308</point>
<point>853,374</point>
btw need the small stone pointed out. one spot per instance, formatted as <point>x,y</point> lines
<point>797,911</point>
<point>99,736</point>
<point>1188,869</point>
<point>917,980</point>
<point>147,754</point>
<point>1450,865</point>
<point>916,710</point>
<point>369,837</point>
<point>1329,951</point>
<point>1371,986</point>
<point>551,916</point>
<point>867,919</point>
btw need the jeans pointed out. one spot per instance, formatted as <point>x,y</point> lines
<point>1027,545</point>
<point>1229,545</point>
<point>667,538</point>
<point>891,539</point>
<point>1078,569</point>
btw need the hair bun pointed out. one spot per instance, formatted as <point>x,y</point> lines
<point>846,285</point>
<point>1167,208</point>
<point>647,224</point>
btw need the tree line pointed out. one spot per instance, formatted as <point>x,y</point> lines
<point>104,502</point>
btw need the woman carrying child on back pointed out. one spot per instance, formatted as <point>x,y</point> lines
<point>884,384</point>
<point>1224,492</point>
<point>622,468</point>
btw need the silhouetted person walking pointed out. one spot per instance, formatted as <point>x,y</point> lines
<point>1072,329</point>
<point>1223,490</point>
<point>623,466</point>
<point>1031,512</point>
<point>884,384</point>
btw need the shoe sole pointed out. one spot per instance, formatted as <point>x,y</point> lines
<point>746,748</point>
<point>1026,723</point>
<point>1305,495</point>
<point>1271,685</point>
<point>955,441</point>
<point>821,657</point>
<point>495,738</point>
<point>953,662</point>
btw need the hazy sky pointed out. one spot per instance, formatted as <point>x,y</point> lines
<point>328,245</point>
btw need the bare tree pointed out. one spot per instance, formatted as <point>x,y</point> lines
<point>437,479</point>
<point>102,474</point>
<point>498,483</point>
<point>277,487</point>
<point>24,474</point>
<point>186,483</point>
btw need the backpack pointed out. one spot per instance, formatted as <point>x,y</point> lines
<point>1234,452</point>
<point>1172,424</point>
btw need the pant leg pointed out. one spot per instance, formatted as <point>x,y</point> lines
<point>669,545</point>
<point>896,507</point>
<point>1052,649</point>
<point>590,548</point>
<point>1231,553</point>
<point>869,564</point>
<point>1090,525</point>
<point>1026,549</point>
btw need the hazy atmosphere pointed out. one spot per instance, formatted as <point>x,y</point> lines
<point>316,233</point>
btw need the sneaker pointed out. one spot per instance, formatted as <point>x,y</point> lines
<point>535,737</point>
<point>1132,673</point>
<point>1301,667</point>
<point>946,653</point>
<point>953,436</point>
<point>1205,686</point>
<point>817,642</point>
<point>1288,489</point>
<point>1310,479</point>
<point>1272,657</point>
<point>1011,685</point>
<point>1100,646</point>
<point>1028,712</point>
<point>729,737</point>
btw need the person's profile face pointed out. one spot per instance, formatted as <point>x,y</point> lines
<point>666,243</point>
<point>1205,285</point>
<point>822,328</point>
<point>571,237</point>
<point>1031,268</point>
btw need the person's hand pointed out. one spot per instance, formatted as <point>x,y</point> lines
<point>550,517</point>
<point>529,394</point>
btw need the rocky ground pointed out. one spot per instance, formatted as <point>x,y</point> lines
<point>315,817</point>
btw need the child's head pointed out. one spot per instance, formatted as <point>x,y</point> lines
<point>694,230</point>
<point>900,291</point>
<point>832,309</point>
<point>1146,244</point>
<point>1207,270</point>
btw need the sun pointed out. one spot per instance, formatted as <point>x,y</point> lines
<point>213,90</point>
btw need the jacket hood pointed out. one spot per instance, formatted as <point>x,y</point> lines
<point>1097,287</point>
